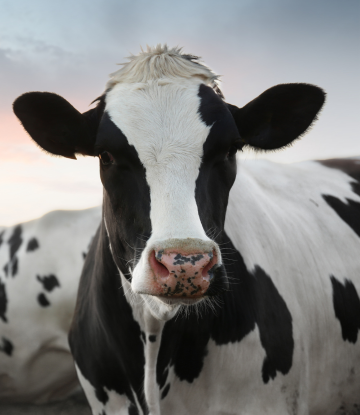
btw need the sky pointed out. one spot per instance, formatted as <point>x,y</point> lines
<point>70,48</point>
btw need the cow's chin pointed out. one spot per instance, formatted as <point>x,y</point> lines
<point>165,308</point>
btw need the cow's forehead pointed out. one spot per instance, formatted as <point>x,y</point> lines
<point>161,119</point>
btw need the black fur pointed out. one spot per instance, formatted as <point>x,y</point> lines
<point>347,308</point>
<point>3,302</point>
<point>49,282</point>
<point>14,266</point>
<point>125,187</point>
<point>279,115</point>
<point>349,212</point>
<point>15,241</point>
<point>165,391</point>
<point>42,300</point>
<point>32,245</point>
<point>7,347</point>
<point>56,125</point>
<point>105,339</point>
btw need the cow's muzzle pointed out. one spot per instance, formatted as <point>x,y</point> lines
<point>182,273</point>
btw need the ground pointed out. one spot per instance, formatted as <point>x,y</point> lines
<point>74,406</point>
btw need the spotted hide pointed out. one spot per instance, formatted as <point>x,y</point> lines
<point>213,285</point>
<point>40,267</point>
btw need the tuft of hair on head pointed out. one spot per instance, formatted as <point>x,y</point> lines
<point>161,61</point>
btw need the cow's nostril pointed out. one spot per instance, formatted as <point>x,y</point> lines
<point>211,263</point>
<point>159,269</point>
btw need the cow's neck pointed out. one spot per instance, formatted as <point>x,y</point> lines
<point>151,329</point>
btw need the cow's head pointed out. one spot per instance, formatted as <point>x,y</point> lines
<point>167,142</point>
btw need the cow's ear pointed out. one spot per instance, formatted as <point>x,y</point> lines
<point>56,125</point>
<point>279,115</point>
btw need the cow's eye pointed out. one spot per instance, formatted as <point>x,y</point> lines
<point>106,158</point>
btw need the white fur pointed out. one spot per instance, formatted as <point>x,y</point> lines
<point>161,62</point>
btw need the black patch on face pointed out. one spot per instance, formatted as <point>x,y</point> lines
<point>165,391</point>
<point>107,348</point>
<point>1,237</point>
<point>218,170</point>
<point>84,255</point>
<point>349,212</point>
<point>152,338</point>
<point>6,346</point>
<point>126,196</point>
<point>32,245</point>
<point>3,302</point>
<point>347,308</point>
<point>42,300</point>
<point>49,282</point>
<point>252,299</point>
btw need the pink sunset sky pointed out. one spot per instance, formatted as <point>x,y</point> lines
<point>70,48</point>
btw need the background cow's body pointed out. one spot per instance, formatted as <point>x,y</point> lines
<point>273,345</point>
<point>40,266</point>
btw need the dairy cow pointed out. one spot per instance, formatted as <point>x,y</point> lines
<point>210,287</point>
<point>40,267</point>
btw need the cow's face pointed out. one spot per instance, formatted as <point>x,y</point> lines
<point>167,161</point>
<point>167,151</point>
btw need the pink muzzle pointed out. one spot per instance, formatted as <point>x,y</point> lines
<point>181,274</point>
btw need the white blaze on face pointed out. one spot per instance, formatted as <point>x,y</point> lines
<point>161,120</point>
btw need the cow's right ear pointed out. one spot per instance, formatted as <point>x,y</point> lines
<point>55,125</point>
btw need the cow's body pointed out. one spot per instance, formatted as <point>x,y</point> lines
<point>273,345</point>
<point>178,311</point>
<point>40,266</point>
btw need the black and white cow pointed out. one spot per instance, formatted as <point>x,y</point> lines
<point>180,311</point>
<point>40,267</point>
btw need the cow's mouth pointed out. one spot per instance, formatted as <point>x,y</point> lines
<point>180,301</point>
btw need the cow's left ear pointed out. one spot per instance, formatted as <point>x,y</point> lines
<point>279,115</point>
<point>55,125</point>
